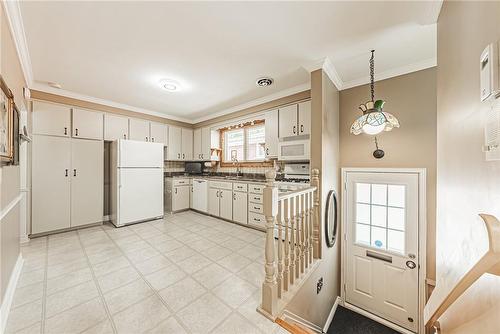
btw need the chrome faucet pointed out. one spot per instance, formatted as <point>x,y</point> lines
<point>238,167</point>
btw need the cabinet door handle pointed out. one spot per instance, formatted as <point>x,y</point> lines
<point>178,155</point>
<point>294,127</point>
<point>65,131</point>
<point>234,197</point>
<point>255,208</point>
<point>221,194</point>
<point>76,132</point>
<point>176,190</point>
<point>153,139</point>
<point>74,172</point>
<point>66,172</point>
<point>257,219</point>
<point>217,193</point>
<point>146,138</point>
<point>267,151</point>
<point>124,136</point>
<point>301,128</point>
<point>183,156</point>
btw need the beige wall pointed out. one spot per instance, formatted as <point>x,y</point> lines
<point>412,99</point>
<point>9,175</point>
<point>467,184</point>
<point>325,157</point>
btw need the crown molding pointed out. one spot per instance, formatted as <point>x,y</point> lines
<point>15,20</point>
<point>70,94</point>
<point>418,66</point>
<point>326,65</point>
<point>253,103</point>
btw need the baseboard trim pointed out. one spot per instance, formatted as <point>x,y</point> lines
<point>377,319</point>
<point>23,239</point>
<point>332,313</point>
<point>9,293</point>
<point>289,316</point>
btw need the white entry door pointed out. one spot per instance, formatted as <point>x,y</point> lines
<point>382,260</point>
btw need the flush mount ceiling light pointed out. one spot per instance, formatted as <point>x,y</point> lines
<point>170,85</point>
<point>374,120</point>
<point>264,82</point>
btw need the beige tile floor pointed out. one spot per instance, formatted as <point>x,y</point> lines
<point>187,273</point>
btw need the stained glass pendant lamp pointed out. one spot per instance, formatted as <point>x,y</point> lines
<point>374,120</point>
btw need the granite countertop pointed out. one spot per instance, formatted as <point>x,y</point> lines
<point>246,177</point>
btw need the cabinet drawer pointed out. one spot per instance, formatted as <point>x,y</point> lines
<point>240,187</point>
<point>255,198</point>
<point>181,182</point>
<point>221,185</point>
<point>256,188</point>
<point>256,219</point>
<point>257,208</point>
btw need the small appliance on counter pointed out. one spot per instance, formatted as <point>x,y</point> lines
<point>194,168</point>
<point>136,181</point>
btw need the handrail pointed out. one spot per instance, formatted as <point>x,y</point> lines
<point>489,263</point>
<point>293,193</point>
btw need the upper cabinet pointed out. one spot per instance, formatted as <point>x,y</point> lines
<point>304,118</point>
<point>295,120</point>
<point>115,127</point>
<point>202,144</point>
<point>174,143</point>
<point>271,123</point>
<point>139,129</point>
<point>51,119</point>
<point>158,133</point>
<point>87,124</point>
<point>187,144</point>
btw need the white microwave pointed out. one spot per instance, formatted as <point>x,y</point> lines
<point>294,150</point>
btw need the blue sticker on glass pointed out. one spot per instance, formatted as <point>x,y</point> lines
<point>378,243</point>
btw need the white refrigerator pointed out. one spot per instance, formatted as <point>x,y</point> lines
<point>136,181</point>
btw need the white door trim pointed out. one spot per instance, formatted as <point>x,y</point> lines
<point>422,230</point>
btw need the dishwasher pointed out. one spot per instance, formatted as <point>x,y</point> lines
<point>200,195</point>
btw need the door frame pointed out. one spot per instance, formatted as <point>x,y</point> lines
<point>422,241</point>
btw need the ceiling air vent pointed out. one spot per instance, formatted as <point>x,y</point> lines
<point>264,82</point>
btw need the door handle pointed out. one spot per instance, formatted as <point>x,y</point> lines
<point>294,127</point>
<point>66,172</point>
<point>378,256</point>
<point>411,264</point>
<point>74,172</point>
<point>301,128</point>
<point>65,131</point>
<point>76,132</point>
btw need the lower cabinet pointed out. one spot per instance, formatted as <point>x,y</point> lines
<point>226,204</point>
<point>180,197</point>
<point>213,202</point>
<point>240,207</point>
<point>220,199</point>
<point>67,183</point>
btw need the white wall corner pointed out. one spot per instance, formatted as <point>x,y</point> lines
<point>15,20</point>
<point>327,65</point>
<point>338,301</point>
<point>9,293</point>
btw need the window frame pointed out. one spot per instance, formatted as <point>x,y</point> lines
<point>256,163</point>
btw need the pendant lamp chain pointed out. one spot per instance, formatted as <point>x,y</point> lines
<point>372,75</point>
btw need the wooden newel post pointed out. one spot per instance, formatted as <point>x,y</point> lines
<point>270,287</point>
<point>316,215</point>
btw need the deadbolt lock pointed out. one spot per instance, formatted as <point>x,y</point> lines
<point>411,256</point>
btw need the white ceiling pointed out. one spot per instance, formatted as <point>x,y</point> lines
<point>118,51</point>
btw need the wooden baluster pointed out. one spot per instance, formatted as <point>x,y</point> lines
<point>310,215</point>
<point>292,204</point>
<point>297,236</point>
<point>286,273</point>
<point>269,287</point>
<point>280,248</point>
<point>316,219</point>
<point>306,228</point>
<point>302,234</point>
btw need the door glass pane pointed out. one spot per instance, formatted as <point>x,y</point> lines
<point>378,237</point>
<point>396,242</point>
<point>363,213</point>
<point>362,234</point>
<point>379,217</point>
<point>362,193</point>
<point>379,194</point>
<point>396,196</point>
<point>396,218</point>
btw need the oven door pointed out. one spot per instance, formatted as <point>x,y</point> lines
<point>296,150</point>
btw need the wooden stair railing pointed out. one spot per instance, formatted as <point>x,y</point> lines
<point>292,242</point>
<point>293,328</point>
<point>441,300</point>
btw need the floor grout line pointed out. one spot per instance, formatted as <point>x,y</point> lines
<point>44,294</point>
<point>101,295</point>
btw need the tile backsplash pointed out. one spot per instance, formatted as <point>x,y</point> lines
<point>174,166</point>
<point>179,166</point>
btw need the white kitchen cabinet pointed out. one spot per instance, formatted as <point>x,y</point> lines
<point>288,121</point>
<point>86,182</point>
<point>271,124</point>
<point>174,147</point>
<point>51,119</point>
<point>187,144</point>
<point>304,125</point>
<point>87,124</point>
<point>115,127</point>
<point>225,204</point>
<point>240,207</point>
<point>51,187</point>
<point>197,144</point>
<point>191,197</point>
<point>213,202</point>
<point>139,129</point>
<point>158,133</point>
<point>180,197</point>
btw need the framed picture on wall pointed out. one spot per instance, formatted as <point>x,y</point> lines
<point>6,123</point>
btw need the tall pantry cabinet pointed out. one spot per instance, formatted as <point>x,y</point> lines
<point>67,167</point>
